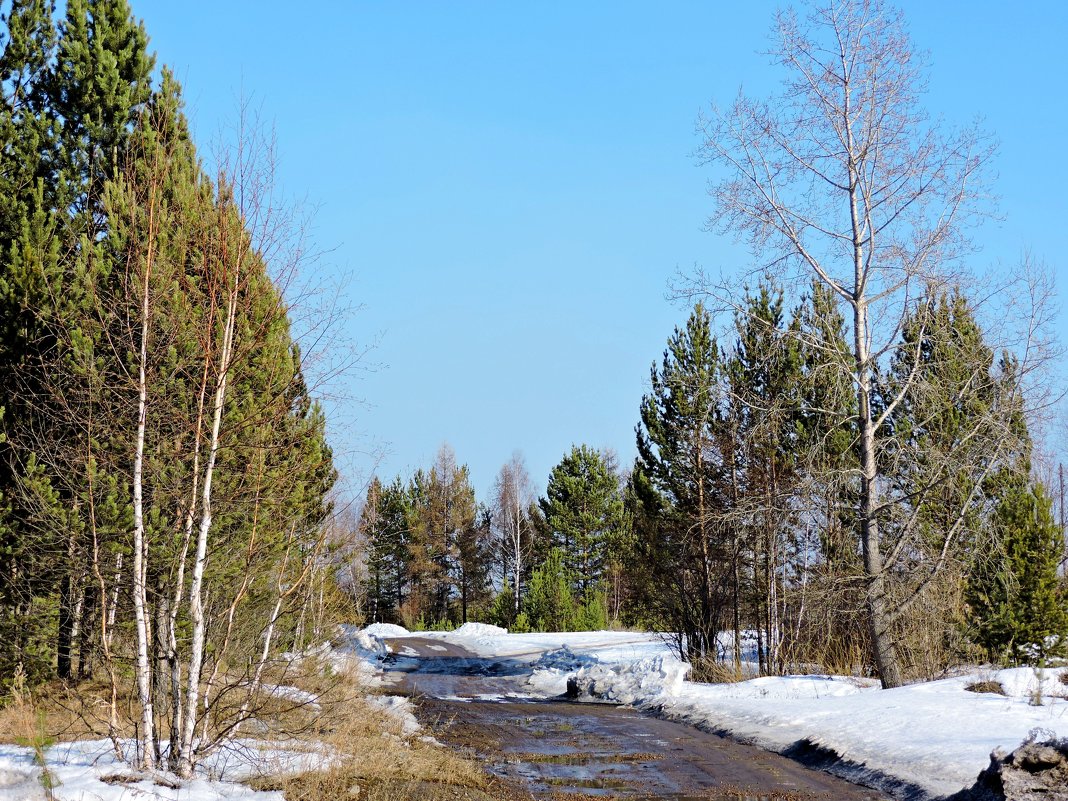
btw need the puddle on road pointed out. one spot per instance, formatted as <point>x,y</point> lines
<point>569,750</point>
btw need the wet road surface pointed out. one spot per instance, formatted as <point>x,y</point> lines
<point>562,749</point>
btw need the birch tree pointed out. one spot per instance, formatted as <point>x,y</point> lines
<point>843,177</point>
<point>514,495</point>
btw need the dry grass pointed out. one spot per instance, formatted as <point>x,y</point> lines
<point>713,671</point>
<point>989,686</point>
<point>371,750</point>
<point>65,713</point>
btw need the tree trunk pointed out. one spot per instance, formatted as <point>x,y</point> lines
<point>143,670</point>
<point>196,600</point>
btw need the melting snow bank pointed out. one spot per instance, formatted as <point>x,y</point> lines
<point>922,741</point>
<point>89,769</point>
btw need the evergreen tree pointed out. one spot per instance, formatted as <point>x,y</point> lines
<point>680,481</point>
<point>584,514</point>
<point>950,438</point>
<point>474,560</point>
<point>443,507</point>
<point>1017,609</point>
<point>765,376</point>
<point>549,604</point>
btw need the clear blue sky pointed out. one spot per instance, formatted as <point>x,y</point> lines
<point>507,188</point>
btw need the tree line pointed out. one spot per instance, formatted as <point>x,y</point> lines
<point>437,557</point>
<point>736,526</point>
<point>164,471</point>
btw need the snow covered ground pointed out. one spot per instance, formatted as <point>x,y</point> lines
<point>88,770</point>
<point>933,737</point>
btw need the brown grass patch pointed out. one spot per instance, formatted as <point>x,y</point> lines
<point>713,671</point>
<point>988,686</point>
<point>371,751</point>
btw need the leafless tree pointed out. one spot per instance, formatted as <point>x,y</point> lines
<point>514,495</point>
<point>842,176</point>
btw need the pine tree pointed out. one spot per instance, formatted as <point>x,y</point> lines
<point>1017,609</point>
<point>765,375</point>
<point>443,507</point>
<point>681,482</point>
<point>584,514</point>
<point>549,604</point>
<point>951,435</point>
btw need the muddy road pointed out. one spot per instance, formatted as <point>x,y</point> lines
<point>562,749</point>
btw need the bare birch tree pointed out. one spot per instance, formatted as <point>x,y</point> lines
<point>842,176</point>
<point>513,497</point>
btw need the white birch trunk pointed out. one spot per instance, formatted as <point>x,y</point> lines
<point>196,601</point>
<point>147,744</point>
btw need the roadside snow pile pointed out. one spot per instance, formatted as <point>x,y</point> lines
<point>385,630</point>
<point>632,682</point>
<point>399,708</point>
<point>477,630</point>
<point>562,671</point>
<point>364,650</point>
<point>928,739</point>
<point>936,736</point>
<point>1036,770</point>
<point>287,692</point>
<point>1027,684</point>
<point>89,769</point>
<point>552,670</point>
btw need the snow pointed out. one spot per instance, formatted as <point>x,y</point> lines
<point>399,708</point>
<point>385,630</point>
<point>88,770</point>
<point>295,694</point>
<point>478,630</point>
<point>933,737</point>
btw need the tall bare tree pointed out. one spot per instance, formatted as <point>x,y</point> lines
<point>843,176</point>
<point>514,495</point>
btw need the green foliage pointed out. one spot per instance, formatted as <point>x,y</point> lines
<point>102,200</point>
<point>1018,611</point>
<point>501,610</point>
<point>583,511</point>
<point>678,483</point>
<point>551,605</point>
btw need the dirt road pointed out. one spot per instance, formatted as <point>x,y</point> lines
<point>567,749</point>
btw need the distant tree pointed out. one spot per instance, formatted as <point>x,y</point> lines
<point>516,531</point>
<point>443,506</point>
<point>549,604</point>
<point>583,510</point>
<point>384,522</point>
<point>475,553</point>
